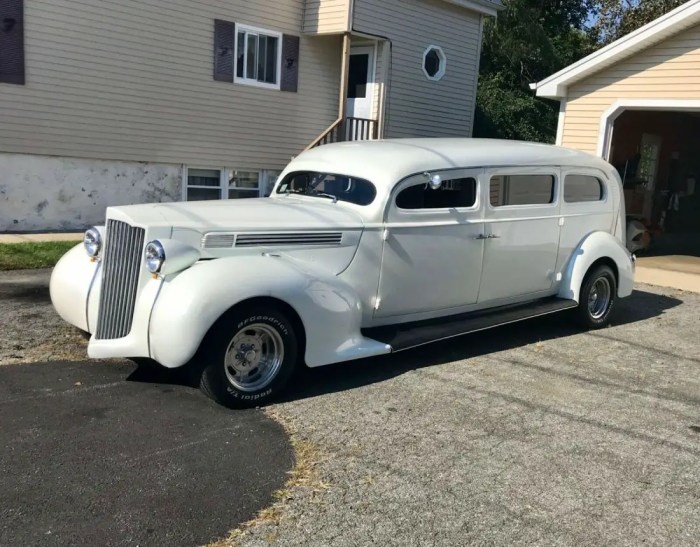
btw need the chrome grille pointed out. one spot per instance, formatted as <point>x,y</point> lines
<point>218,241</point>
<point>300,238</point>
<point>121,263</point>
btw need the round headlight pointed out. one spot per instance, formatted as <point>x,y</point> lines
<point>92,242</point>
<point>155,256</point>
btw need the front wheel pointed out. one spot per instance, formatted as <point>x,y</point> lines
<point>253,353</point>
<point>597,298</point>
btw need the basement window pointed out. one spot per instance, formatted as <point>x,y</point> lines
<point>227,183</point>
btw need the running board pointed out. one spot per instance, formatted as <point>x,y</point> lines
<point>409,335</point>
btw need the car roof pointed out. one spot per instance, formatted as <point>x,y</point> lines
<point>387,161</point>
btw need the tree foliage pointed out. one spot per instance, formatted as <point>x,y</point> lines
<point>532,39</point>
<point>615,18</point>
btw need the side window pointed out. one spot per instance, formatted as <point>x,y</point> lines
<point>578,188</point>
<point>521,190</point>
<point>453,193</point>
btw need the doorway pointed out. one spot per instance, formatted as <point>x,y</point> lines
<point>360,94</point>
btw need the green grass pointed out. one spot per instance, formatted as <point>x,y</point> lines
<point>25,256</point>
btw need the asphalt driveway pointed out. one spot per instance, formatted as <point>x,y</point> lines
<point>535,433</point>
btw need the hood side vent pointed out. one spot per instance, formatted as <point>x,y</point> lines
<point>218,241</point>
<point>289,238</point>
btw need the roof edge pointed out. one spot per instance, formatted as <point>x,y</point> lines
<point>556,85</point>
<point>486,7</point>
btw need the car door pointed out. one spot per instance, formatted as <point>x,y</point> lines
<point>432,253</point>
<point>522,227</point>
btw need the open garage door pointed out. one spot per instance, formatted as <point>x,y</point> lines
<point>657,153</point>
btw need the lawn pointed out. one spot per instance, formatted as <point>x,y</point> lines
<point>21,256</point>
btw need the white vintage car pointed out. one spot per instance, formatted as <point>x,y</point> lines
<point>362,249</point>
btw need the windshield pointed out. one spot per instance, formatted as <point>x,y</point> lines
<point>328,185</point>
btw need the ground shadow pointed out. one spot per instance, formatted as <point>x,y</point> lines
<point>640,306</point>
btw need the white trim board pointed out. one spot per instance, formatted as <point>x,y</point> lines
<point>607,119</point>
<point>683,17</point>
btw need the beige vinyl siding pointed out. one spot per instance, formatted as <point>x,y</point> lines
<point>415,105</point>
<point>668,70</point>
<point>326,16</point>
<point>132,80</point>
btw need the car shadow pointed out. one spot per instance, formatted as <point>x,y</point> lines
<point>640,306</point>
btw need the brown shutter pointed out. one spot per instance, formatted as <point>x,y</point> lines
<point>12,42</point>
<point>289,79</point>
<point>224,39</point>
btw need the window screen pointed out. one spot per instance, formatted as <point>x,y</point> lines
<point>579,188</point>
<point>521,190</point>
<point>453,193</point>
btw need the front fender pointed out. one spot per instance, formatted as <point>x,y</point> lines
<point>190,302</point>
<point>70,285</point>
<point>595,246</point>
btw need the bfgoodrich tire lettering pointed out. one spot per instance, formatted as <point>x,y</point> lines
<point>597,298</point>
<point>251,353</point>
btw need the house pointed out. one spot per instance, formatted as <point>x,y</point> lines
<point>106,103</point>
<point>636,103</point>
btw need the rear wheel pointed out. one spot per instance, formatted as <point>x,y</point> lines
<point>597,298</point>
<point>252,354</point>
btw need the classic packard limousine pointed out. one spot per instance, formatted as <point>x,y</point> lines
<point>363,249</point>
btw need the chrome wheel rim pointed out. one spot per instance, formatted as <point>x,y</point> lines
<point>599,298</point>
<point>254,357</point>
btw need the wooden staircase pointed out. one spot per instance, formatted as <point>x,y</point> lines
<point>348,129</point>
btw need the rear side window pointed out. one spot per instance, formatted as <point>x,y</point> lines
<point>578,188</point>
<point>521,190</point>
<point>453,193</point>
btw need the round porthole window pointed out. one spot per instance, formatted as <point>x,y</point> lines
<point>434,63</point>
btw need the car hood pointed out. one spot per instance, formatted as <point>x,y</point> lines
<point>289,213</point>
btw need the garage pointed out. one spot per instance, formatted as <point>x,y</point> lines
<point>636,103</point>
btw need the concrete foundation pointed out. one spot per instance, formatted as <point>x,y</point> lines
<point>44,193</point>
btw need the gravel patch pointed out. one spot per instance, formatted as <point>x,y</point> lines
<point>533,433</point>
<point>30,329</point>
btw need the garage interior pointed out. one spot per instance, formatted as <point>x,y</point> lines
<point>657,154</point>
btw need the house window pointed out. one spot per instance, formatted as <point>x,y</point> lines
<point>243,184</point>
<point>258,57</point>
<point>452,194</point>
<point>434,63</point>
<point>203,184</point>
<point>521,190</point>
<point>227,183</point>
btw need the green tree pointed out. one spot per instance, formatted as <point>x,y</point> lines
<point>615,18</point>
<point>532,39</point>
<point>528,41</point>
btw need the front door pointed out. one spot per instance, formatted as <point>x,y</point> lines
<point>360,96</point>
<point>433,246</point>
<point>522,228</point>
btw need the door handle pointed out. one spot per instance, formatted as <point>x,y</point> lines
<point>480,236</point>
<point>493,236</point>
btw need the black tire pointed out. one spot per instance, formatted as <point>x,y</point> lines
<point>592,311</point>
<point>257,329</point>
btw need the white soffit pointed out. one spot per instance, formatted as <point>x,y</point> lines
<point>675,21</point>
<point>487,7</point>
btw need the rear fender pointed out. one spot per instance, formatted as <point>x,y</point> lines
<point>595,246</point>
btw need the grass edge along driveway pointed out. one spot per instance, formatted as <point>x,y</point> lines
<point>32,255</point>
